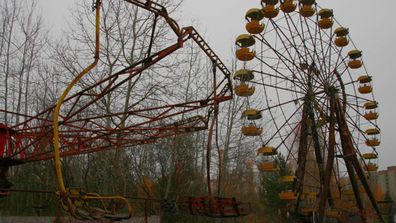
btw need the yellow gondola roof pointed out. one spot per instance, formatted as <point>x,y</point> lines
<point>370,156</point>
<point>244,90</point>
<point>371,115</point>
<point>288,179</point>
<point>270,2</point>
<point>255,14</point>
<point>251,130</point>
<point>372,167</point>
<point>245,40</point>
<point>252,114</point>
<point>372,131</point>
<point>341,41</point>
<point>370,105</point>
<point>270,11</point>
<point>309,195</point>
<point>267,166</point>
<point>287,195</point>
<point>373,142</point>
<point>307,210</point>
<point>288,6</point>
<point>307,2</point>
<point>267,150</point>
<point>341,31</point>
<point>364,79</point>
<point>325,13</point>
<point>244,75</point>
<point>354,54</point>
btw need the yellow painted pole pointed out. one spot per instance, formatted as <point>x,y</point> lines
<point>62,98</point>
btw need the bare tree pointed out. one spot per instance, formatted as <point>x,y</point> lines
<point>127,36</point>
<point>21,41</point>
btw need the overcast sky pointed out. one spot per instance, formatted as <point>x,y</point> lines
<point>372,28</point>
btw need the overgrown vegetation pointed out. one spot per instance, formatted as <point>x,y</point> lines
<point>271,186</point>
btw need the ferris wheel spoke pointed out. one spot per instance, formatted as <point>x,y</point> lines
<point>326,54</point>
<point>270,110</point>
<point>276,87</point>
<point>293,45</point>
<point>300,34</point>
<point>358,97</point>
<point>283,59</point>
<point>311,171</point>
<point>283,142</point>
<point>276,50</point>
<point>313,42</point>
<point>290,153</point>
<point>356,140</point>
<point>312,58</point>
<point>286,122</point>
<point>329,55</point>
<point>353,124</point>
<point>282,110</point>
<point>353,107</point>
<point>344,69</point>
<point>269,75</point>
<point>321,59</point>
<point>280,104</point>
<point>273,118</point>
<point>353,82</point>
<point>307,35</point>
<point>296,49</point>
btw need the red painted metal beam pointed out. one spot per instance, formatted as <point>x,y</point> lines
<point>31,139</point>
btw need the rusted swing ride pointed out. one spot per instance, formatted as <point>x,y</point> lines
<point>71,127</point>
<point>309,80</point>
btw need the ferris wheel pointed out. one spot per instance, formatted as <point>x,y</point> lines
<point>300,71</point>
<point>138,103</point>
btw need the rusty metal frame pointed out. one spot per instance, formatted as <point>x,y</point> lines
<point>30,139</point>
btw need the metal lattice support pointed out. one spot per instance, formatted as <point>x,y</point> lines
<point>299,69</point>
